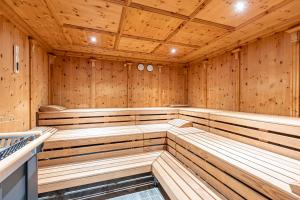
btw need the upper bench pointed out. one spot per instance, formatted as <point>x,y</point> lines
<point>106,117</point>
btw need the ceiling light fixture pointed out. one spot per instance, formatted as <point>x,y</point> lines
<point>93,39</point>
<point>240,6</point>
<point>173,50</point>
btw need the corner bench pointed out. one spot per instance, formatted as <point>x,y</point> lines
<point>178,182</point>
<point>251,172</point>
<point>241,155</point>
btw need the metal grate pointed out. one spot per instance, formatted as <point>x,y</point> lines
<point>150,194</point>
<point>13,144</point>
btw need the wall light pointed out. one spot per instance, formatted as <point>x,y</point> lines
<point>240,6</point>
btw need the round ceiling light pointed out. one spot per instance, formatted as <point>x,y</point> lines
<point>240,6</point>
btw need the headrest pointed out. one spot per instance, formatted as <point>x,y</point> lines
<point>51,108</point>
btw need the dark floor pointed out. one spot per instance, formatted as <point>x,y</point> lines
<point>139,187</point>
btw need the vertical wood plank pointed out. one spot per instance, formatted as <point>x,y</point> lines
<point>295,80</point>
<point>93,83</point>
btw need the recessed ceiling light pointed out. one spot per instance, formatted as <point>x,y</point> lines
<point>173,50</point>
<point>93,39</point>
<point>240,6</point>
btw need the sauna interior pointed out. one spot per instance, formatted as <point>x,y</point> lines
<point>149,99</point>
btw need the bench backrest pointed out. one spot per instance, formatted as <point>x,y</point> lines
<point>90,118</point>
<point>274,133</point>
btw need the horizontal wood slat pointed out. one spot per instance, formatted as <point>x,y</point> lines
<point>71,175</point>
<point>244,169</point>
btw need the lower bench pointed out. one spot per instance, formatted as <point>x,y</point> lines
<point>178,182</point>
<point>75,174</point>
<point>246,171</point>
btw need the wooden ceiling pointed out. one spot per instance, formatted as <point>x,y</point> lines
<point>148,29</point>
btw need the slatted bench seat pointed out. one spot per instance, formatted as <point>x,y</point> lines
<point>84,144</point>
<point>296,187</point>
<point>179,183</point>
<point>70,175</point>
<point>248,171</point>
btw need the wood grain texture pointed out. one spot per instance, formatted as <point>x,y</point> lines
<point>39,79</point>
<point>150,25</point>
<point>92,14</point>
<point>223,12</point>
<point>265,76</point>
<point>221,81</point>
<point>263,84</point>
<point>116,85</point>
<point>14,88</point>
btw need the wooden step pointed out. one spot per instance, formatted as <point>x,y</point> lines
<point>75,174</point>
<point>180,183</point>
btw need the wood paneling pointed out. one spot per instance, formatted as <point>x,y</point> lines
<point>23,93</point>
<point>263,84</point>
<point>221,82</point>
<point>223,12</point>
<point>131,44</point>
<point>181,51</point>
<point>111,84</point>
<point>149,25</point>
<point>117,84</point>
<point>36,14</point>
<point>180,7</point>
<point>83,37</point>
<point>70,82</point>
<point>14,88</point>
<point>200,24</point>
<point>197,92</point>
<point>198,34</point>
<point>38,79</point>
<point>96,14</point>
<point>265,75</point>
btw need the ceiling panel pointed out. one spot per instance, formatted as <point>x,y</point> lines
<point>176,6</point>
<point>83,37</point>
<point>198,34</point>
<point>95,14</point>
<point>131,44</point>
<point>223,11</point>
<point>37,15</point>
<point>149,25</point>
<point>165,50</point>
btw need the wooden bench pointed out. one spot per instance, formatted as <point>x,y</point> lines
<point>75,174</point>
<point>91,118</point>
<point>244,170</point>
<point>95,143</point>
<point>296,187</point>
<point>274,133</point>
<point>179,182</point>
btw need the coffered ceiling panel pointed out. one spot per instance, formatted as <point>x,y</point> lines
<point>37,15</point>
<point>198,34</point>
<point>181,51</point>
<point>148,24</point>
<point>148,29</point>
<point>224,11</point>
<point>137,45</point>
<point>83,37</point>
<point>96,14</point>
<point>176,6</point>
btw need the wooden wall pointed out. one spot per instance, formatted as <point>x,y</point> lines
<point>260,78</point>
<point>38,79</point>
<point>82,83</point>
<point>16,113</point>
